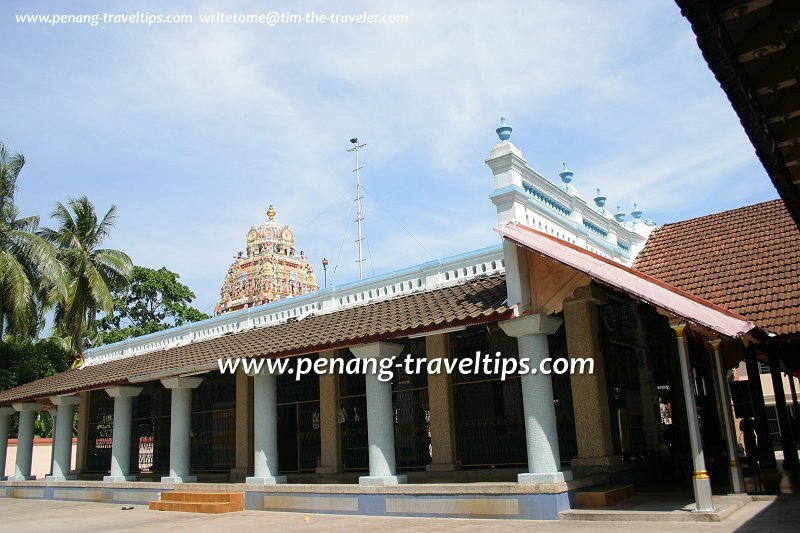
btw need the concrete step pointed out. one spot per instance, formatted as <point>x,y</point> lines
<point>200,502</point>
<point>603,496</point>
<point>210,497</point>
<point>191,507</point>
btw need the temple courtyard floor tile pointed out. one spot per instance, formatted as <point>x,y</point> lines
<point>782,514</point>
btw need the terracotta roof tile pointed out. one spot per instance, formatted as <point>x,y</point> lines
<point>474,302</point>
<point>746,260</point>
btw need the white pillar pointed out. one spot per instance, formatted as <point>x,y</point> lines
<point>121,437</point>
<point>541,433</point>
<point>5,422</point>
<point>180,429</point>
<point>62,437</point>
<point>726,413</point>
<point>700,478</point>
<point>27,418</point>
<point>265,430</point>
<point>380,416</point>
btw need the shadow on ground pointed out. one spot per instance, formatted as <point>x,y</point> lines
<point>781,515</point>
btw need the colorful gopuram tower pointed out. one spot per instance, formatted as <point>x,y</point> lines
<point>270,270</point>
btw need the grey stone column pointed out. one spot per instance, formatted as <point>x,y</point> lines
<point>541,434</point>
<point>440,403</point>
<point>726,413</point>
<point>62,438</point>
<point>701,481</point>
<point>180,429</point>
<point>27,418</point>
<point>589,391</point>
<point>244,425</point>
<point>5,422</point>
<point>380,417</point>
<point>121,436</point>
<point>330,435</point>
<point>265,430</point>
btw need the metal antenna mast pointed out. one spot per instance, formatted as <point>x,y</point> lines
<point>360,217</point>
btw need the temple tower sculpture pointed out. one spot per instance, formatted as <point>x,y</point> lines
<point>270,270</point>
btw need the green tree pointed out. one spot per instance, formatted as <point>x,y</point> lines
<point>154,301</point>
<point>93,273</point>
<point>23,361</point>
<point>31,277</point>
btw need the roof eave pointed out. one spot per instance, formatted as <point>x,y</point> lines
<point>718,51</point>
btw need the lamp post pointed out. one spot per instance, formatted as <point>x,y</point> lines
<point>325,270</point>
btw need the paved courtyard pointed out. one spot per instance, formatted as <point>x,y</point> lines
<point>57,516</point>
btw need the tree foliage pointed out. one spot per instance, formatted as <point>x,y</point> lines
<point>31,277</point>
<point>155,300</point>
<point>93,273</point>
<point>42,270</point>
<point>23,361</point>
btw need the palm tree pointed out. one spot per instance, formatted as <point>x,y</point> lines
<point>92,272</point>
<point>30,273</point>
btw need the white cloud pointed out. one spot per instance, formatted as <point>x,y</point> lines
<point>198,127</point>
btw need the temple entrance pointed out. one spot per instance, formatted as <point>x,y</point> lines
<point>352,418</point>
<point>298,423</point>
<point>288,452</point>
<point>150,423</point>
<point>100,432</point>
<point>412,436</point>
<point>411,415</point>
<point>489,424</point>
<point>214,424</point>
<point>298,437</point>
<point>489,418</point>
<point>150,431</point>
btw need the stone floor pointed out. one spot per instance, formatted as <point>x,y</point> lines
<point>663,507</point>
<point>673,501</point>
<point>782,514</point>
<point>667,509</point>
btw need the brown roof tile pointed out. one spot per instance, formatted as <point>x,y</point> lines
<point>746,260</point>
<point>474,302</point>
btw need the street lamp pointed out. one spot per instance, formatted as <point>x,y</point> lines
<point>325,270</point>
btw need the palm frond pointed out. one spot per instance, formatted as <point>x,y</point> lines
<point>92,272</point>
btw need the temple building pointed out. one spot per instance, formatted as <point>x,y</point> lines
<point>666,314</point>
<point>270,270</point>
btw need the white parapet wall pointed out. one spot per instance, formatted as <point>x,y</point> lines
<point>425,277</point>
<point>524,196</point>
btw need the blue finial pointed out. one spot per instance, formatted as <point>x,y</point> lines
<point>599,201</point>
<point>504,131</point>
<point>636,213</point>
<point>619,215</point>
<point>566,174</point>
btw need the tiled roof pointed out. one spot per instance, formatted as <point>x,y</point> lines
<point>746,260</point>
<point>638,285</point>
<point>474,302</point>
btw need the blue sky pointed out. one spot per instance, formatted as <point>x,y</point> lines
<point>193,130</point>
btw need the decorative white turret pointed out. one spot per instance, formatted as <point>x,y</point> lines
<point>523,195</point>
